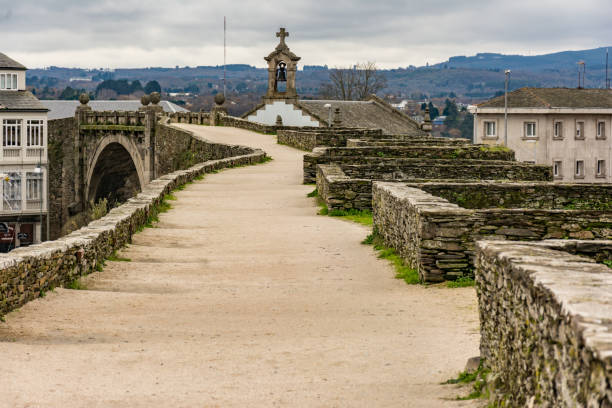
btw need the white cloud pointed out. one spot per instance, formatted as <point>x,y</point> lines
<point>130,33</point>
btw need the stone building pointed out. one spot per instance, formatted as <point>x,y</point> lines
<point>23,159</point>
<point>281,104</point>
<point>568,129</point>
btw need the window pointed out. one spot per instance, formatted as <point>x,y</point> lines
<point>558,130</point>
<point>12,191</point>
<point>601,129</point>
<point>530,129</point>
<point>601,168</point>
<point>579,169</point>
<point>11,132</point>
<point>490,129</point>
<point>8,81</point>
<point>579,130</point>
<point>558,169</point>
<point>33,186</point>
<point>34,133</point>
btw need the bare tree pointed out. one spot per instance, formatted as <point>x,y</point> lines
<point>355,83</point>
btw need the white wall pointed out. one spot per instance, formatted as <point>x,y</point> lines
<point>291,115</point>
<point>547,149</point>
<point>21,78</point>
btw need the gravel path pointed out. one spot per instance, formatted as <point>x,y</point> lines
<point>242,297</point>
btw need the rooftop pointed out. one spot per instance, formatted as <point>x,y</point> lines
<point>9,63</point>
<point>66,109</point>
<point>19,101</point>
<point>554,98</point>
<point>370,114</point>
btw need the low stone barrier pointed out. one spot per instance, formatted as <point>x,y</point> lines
<point>413,141</point>
<point>437,237</point>
<point>308,139</point>
<point>545,324</point>
<point>27,272</point>
<point>424,162</point>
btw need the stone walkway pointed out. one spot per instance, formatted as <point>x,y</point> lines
<point>241,297</point>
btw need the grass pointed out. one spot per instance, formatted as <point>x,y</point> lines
<point>402,271</point>
<point>115,258</point>
<point>76,285</point>
<point>362,217</point>
<point>608,263</point>
<point>314,193</point>
<point>462,282</point>
<point>479,380</point>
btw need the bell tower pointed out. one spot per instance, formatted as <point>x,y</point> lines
<point>282,67</point>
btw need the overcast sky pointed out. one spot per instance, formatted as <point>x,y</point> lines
<point>394,33</point>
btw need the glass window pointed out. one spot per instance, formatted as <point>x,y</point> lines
<point>490,130</point>
<point>558,130</point>
<point>11,132</point>
<point>2,81</point>
<point>557,168</point>
<point>33,186</point>
<point>14,81</point>
<point>12,191</point>
<point>530,129</point>
<point>601,130</point>
<point>601,168</point>
<point>579,168</point>
<point>579,130</point>
<point>34,133</point>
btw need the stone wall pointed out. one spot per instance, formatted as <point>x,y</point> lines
<point>545,325</point>
<point>562,196</point>
<point>27,272</point>
<point>437,238</point>
<point>177,149</point>
<point>427,162</point>
<point>63,163</point>
<point>414,141</point>
<point>308,139</point>
<point>340,192</point>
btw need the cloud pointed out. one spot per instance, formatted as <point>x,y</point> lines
<point>122,33</point>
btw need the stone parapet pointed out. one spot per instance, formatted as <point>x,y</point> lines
<point>437,237</point>
<point>27,272</point>
<point>308,139</point>
<point>413,141</point>
<point>545,323</point>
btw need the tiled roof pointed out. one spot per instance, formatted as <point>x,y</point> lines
<point>19,100</point>
<point>9,63</point>
<point>553,98</point>
<point>373,114</point>
<point>66,109</point>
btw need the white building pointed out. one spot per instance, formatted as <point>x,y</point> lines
<point>568,129</point>
<point>23,159</point>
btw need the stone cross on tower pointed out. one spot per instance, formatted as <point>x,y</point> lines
<point>282,66</point>
<point>282,34</point>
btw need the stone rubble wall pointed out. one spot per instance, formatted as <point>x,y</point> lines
<point>544,195</point>
<point>27,272</point>
<point>306,139</point>
<point>177,149</point>
<point>340,192</point>
<point>427,162</point>
<point>545,325</point>
<point>414,141</point>
<point>437,238</point>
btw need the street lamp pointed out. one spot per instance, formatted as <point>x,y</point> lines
<point>507,72</point>
<point>328,106</point>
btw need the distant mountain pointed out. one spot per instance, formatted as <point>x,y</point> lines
<point>595,59</point>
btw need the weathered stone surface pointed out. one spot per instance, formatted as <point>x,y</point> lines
<point>545,322</point>
<point>309,138</point>
<point>428,231</point>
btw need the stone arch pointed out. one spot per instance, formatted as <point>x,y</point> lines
<point>115,170</point>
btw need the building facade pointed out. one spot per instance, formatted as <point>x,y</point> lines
<point>23,160</point>
<point>568,129</point>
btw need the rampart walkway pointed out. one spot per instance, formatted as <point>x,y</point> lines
<point>242,297</point>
